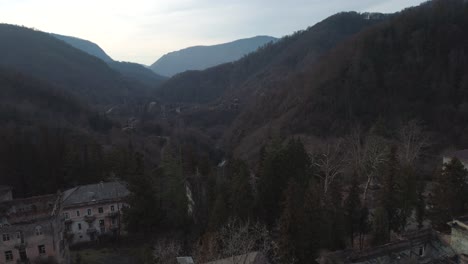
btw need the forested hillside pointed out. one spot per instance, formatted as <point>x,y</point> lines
<point>48,139</point>
<point>134,72</point>
<point>412,66</point>
<point>43,56</point>
<point>269,64</point>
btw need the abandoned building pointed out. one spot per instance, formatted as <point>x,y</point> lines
<point>93,211</point>
<point>459,237</point>
<point>425,246</point>
<point>31,230</point>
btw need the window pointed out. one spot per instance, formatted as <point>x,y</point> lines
<point>101,222</point>
<point>67,215</point>
<point>79,226</point>
<point>78,213</point>
<point>112,208</point>
<point>421,251</point>
<point>89,211</point>
<point>38,230</point>
<point>18,235</point>
<point>6,237</point>
<point>8,255</point>
<point>113,221</point>
<point>41,249</point>
<point>101,210</point>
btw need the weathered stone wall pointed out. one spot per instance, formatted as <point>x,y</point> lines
<point>460,240</point>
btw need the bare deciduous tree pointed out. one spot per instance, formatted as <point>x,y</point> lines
<point>166,251</point>
<point>375,155</point>
<point>412,142</point>
<point>365,156</point>
<point>330,163</point>
<point>237,239</point>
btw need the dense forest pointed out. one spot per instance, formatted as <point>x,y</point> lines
<point>327,139</point>
<point>412,66</point>
<point>268,64</point>
<point>45,57</point>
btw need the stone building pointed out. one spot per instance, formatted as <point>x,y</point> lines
<point>31,230</point>
<point>459,237</point>
<point>93,211</point>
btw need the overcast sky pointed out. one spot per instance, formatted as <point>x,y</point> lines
<point>143,30</point>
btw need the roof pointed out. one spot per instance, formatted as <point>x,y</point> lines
<point>394,251</point>
<point>95,193</point>
<point>27,210</point>
<point>459,154</point>
<point>249,258</point>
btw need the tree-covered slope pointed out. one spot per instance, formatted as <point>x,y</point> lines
<point>132,71</point>
<point>40,55</point>
<point>269,64</point>
<point>413,66</point>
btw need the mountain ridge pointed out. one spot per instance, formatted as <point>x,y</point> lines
<point>201,57</point>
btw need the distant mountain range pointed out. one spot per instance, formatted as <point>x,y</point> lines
<point>203,57</point>
<point>134,71</point>
<point>86,46</point>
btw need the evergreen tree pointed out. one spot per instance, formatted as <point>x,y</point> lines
<point>144,214</point>
<point>353,210</point>
<point>290,228</point>
<point>241,196</point>
<point>450,195</point>
<point>380,227</point>
<point>389,195</point>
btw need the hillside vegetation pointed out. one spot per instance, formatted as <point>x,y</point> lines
<point>413,66</point>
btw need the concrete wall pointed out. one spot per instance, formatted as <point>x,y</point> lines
<point>460,240</point>
<point>110,224</point>
<point>25,236</point>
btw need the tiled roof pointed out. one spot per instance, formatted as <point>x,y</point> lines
<point>95,193</point>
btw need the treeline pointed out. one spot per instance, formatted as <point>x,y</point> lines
<point>354,192</point>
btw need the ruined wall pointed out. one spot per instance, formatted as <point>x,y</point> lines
<point>460,240</point>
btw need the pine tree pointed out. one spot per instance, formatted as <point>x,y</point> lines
<point>241,196</point>
<point>380,227</point>
<point>353,210</point>
<point>450,194</point>
<point>290,239</point>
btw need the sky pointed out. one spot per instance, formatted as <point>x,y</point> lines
<point>144,30</point>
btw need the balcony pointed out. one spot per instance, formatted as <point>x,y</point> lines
<point>113,214</point>
<point>91,230</point>
<point>68,221</point>
<point>89,218</point>
<point>21,245</point>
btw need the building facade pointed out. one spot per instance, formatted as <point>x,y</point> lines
<point>31,231</point>
<point>94,211</point>
<point>459,237</point>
